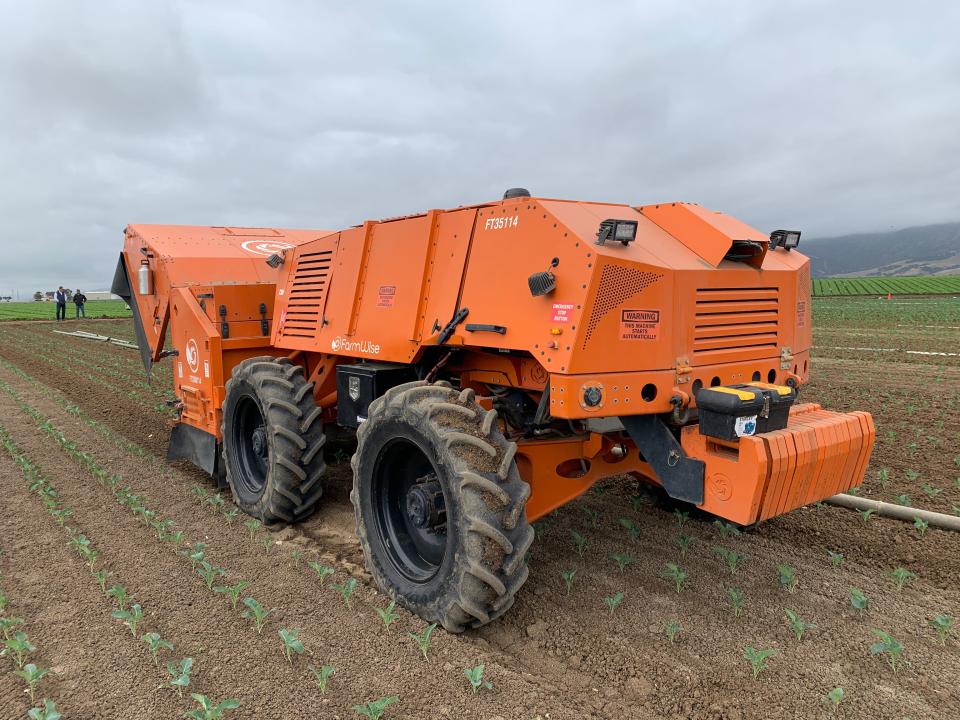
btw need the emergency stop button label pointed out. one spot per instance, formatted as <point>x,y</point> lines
<point>639,324</point>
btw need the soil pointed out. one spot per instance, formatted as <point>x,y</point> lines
<point>553,655</point>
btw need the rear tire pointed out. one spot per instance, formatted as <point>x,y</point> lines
<point>440,505</point>
<point>272,440</point>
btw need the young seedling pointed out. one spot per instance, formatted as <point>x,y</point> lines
<point>32,675</point>
<point>423,639</point>
<point>48,711</point>
<point>217,501</point>
<point>622,560</point>
<point>681,517</point>
<point>231,515</point>
<point>131,618</point>
<point>267,543</point>
<point>374,709</point>
<point>834,698</point>
<point>232,591</point>
<point>252,525</point>
<point>903,500</point>
<point>798,625</point>
<point>297,556</point>
<point>321,676</point>
<point>675,573</point>
<point>199,493</point>
<point>901,576</point>
<point>180,674</point>
<point>631,527</point>
<point>865,515</point>
<point>256,612</point>
<point>942,624</point>
<point>118,593</point>
<point>883,475</point>
<point>101,576</point>
<point>19,646</point>
<point>758,658</point>
<point>579,541</point>
<point>859,601</point>
<point>208,710</point>
<point>888,646</point>
<point>196,554</point>
<point>836,559</point>
<point>210,573</point>
<point>726,529</point>
<point>61,515</point>
<point>920,526</point>
<point>731,557</point>
<point>672,629</point>
<point>614,601</point>
<point>684,541</point>
<point>388,616</point>
<point>345,589</point>
<point>291,642</point>
<point>475,677</point>
<point>931,491</point>
<point>568,576</point>
<point>322,571</point>
<point>735,595</point>
<point>156,644</point>
<point>8,625</point>
<point>787,577</point>
<point>162,527</point>
<point>593,516</point>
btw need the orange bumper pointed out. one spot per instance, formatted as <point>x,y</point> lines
<point>819,454</point>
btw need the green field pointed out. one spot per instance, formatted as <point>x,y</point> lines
<point>48,310</point>
<point>914,285</point>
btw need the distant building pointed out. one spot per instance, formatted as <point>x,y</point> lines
<point>101,295</point>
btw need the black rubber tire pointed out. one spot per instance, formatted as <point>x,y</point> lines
<point>487,534</point>
<point>291,486</point>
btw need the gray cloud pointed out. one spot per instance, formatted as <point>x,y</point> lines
<point>831,117</point>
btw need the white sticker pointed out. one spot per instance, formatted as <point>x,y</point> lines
<point>180,370</point>
<point>206,368</point>
<point>746,425</point>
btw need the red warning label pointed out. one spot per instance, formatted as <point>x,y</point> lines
<point>387,295</point>
<point>639,324</point>
<point>562,312</point>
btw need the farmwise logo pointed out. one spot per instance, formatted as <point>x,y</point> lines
<point>344,344</point>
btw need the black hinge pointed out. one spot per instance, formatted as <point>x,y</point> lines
<point>224,328</point>
<point>264,323</point>
<point>447,331</point>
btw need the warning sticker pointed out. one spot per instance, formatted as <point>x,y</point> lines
<point>745,425</point>
<point>387,294</point>
<point>562,312</point>
<point>801,313</point>
<point>639,324</point>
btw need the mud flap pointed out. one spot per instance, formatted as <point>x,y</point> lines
<point>680,475</point>
<point>195,445</point>
<point>121,286</point>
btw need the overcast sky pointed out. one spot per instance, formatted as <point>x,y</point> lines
<point>825,116</point>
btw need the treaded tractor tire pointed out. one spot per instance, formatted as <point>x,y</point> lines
<point>485,535</point>
<point>275,476</point>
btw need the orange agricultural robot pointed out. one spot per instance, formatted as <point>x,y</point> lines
<point>495,361</point>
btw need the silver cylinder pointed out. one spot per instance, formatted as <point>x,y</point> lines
<point>143,278</point>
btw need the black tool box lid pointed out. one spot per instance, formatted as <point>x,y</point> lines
<point>736,400</point>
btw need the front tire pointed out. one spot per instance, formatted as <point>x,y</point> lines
<point>272,440</point>
<point>440,505</point>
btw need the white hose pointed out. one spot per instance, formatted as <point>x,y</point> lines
<point>899,512</point>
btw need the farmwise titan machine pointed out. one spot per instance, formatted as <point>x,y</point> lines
<point>495,361</point>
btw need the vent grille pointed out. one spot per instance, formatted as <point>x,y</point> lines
<point>736,323</point>
<point>617,285</point>
<point>307,293</point>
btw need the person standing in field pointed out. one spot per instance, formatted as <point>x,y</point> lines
<point>79,299</point>
<point>61,298</point>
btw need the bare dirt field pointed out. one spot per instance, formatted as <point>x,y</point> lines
<point>85,488</point>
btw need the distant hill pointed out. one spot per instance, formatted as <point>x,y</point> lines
<point>927,250</point>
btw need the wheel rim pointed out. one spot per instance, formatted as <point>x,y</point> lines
<point>403,477</point>
<point>250,445</point>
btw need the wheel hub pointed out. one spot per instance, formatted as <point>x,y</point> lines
<point>425,506</point>
<point>259,441</point>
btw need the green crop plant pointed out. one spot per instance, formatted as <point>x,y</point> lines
<point>675,573</point>
<point>196,554</point>
<point>209,710</point>
<point>156,644</point>
<point>3,602</point>
<point>942,624</point>
<point>758,658</point>
<point>60,515</point>
<point>797,624</point>
<point>726,529</point>
<point>423,639</point>
<point>131,618</point>
<point>180,674</point>
<point>79,543</point>
<point>859,601</point>
<point>297,556</point>
<point>374,709</point>
<point>638,501</point>
<point>199,493</point>
<point>931,491</point>
<point>90,556</point>
<point>48,711</point>
<point>834,698</point>
<point>387,615</point>
<point>903,500</point>
<point>579,541</point>
<point>593,516</point>
<point>889,647</point>
<point>32,675</point>
<point>613,601</point>
<point>321,676</point>
<point>735,596</point>
<point>731,557</point>
<point>920,525</point>
<point>322,571</point>
<point>475,678</point>
<point>176,537</point>
<point>291,642</point>
<point>787,577</point>
<point>9,624</point>
<point>162,527</point>
<point>101,576</point>
<point>622,560</point>
<point>672,629</point>
<point>836,559</point>
<point>901,576</point>
<point>631,527</point>
<point>232,591</point>
<point>216,500</point>
<point>210,573</point>
<point>568,576</point>
<point>252,525</point>
<point>684,541</point>
<point>267,543</point>
<point>345,589</point>
<point>18,646</point>
<point>256,612</point>
<point>883,475</point>
<point>118,593</point>
<point>865,515</point>
<point>231,515</point>
<point>681,516</point>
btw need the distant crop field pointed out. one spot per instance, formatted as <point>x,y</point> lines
<point>48,310</point>
<point>922,285</point>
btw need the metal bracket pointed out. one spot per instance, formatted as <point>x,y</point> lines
<point>447,331</point>
<point>681,476</point>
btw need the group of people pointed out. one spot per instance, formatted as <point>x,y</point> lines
<point>79,299</point>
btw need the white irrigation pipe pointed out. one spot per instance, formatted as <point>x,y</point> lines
<point>102,338</point>
<point>898,512</point>
<point>908,352</point>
